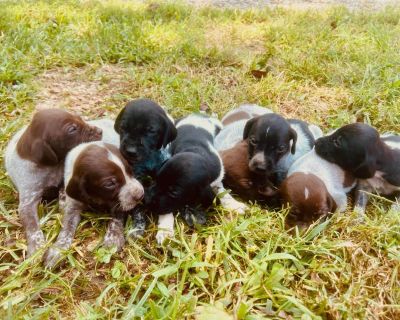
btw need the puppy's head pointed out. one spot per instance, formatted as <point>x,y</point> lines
<point>270,137</point>
<point>238,176</point>
<point>144,127</point>
<point>102,178</point>
<point>307,197</point>
<point>354,147</point>
<point>182,181</point>
<point>51,134</point>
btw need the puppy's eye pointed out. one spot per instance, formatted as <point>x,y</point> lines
<point>174,193</point>
<point>110,184</point>
<point>336,142</point>
<point>72,129</point>
<point>253,141</point>
<point>281,149</point>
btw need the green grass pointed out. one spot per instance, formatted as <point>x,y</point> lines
<point>331,67</point>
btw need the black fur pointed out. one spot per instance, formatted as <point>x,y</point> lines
<point>145,130</point>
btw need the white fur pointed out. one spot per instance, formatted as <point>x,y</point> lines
<point>251,109</point>
<point>109,134</point>
<point>306,193</point>
<point>199,121</point>
<point>331,175</point>
<point>165,227</point>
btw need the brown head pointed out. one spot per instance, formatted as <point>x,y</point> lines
<point>238,176</point>
<point>308,198</point>
<point>103,179</point>
<point>51,134</point>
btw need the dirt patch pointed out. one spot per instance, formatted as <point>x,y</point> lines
<point>84,90</point>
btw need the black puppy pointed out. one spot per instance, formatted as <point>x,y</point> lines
<point>374,160</point>
<point>270,137</point>
<point>145,129</point>
<point>189,181</point>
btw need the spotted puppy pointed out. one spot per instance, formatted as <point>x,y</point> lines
<point>192,176</point>
<point>373,159</point>
<point>34,160</point>
<point>145,129</point>
<point>97,177</point>
<point>314,188</point>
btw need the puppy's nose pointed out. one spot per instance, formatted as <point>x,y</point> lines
<point>138,195</point>
<point>96,131</point>
<point>131,152</point>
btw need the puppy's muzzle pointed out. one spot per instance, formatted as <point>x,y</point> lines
<point>94,133</point>
<point>257,163</point>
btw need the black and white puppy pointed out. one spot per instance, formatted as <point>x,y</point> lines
<point>145,129</point>
<point>374,160</point>
<point>191,177</point>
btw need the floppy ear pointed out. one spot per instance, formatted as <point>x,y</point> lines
<point>43,154</point>
<point>248,126</point>
<point>76,189</point>
<point>293,136</point>
<point>170,133</point>
<point>366,169</point>
<point>117,123</point>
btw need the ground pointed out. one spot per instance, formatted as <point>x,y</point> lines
<point>330,67</point>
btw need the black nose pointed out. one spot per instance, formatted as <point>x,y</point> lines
<point>131,152</point>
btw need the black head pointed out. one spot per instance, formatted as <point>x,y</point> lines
<point>182,181</point>
<point>354,147</point>
<point>269,137</point>
<point>144,127</point>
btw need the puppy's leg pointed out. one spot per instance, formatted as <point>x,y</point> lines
<point>165,227</point>
<point>139,222</point>
<point>29,217</point>
<point>71,219</point>
<point>360,203</point>
<point>228,202</point>
<point>115,232</point>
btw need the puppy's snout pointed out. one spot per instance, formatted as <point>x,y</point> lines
<point>139,194</point>
<point>95,132</point>
<point>257,163</point>
<point>131,152</point>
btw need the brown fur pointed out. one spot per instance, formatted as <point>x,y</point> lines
<point>238,176</point>
<point>49,136</point>
<point>304,209</point>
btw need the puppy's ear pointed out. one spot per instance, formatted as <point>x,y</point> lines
<point>169,133</point>
<point>293,137</point>
<point>248,126</point>
<point>117,123</point>
<point>43,154</point>
<point>366,169</point>
<point>76,188</point>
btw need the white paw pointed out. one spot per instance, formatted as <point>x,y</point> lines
<point>162,235</point>
<point>35,242</point>
<point>234,205</point>
<point>360,214</point>
<point>52,257</point>
<point>114,239</point>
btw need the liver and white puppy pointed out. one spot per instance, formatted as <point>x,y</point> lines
<point>145,129</point>
<point>34,160</point>
<point>314,188</point>
<point>97,177</point>
<point>192,176</point>
<point>375,160</point>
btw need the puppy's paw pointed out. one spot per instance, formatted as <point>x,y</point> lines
<point>234,205</point>
<point>135,233</point>
<point>164,234</point>
<point>396,207</point>
<point>52,257</point>
<point>114,239</point>
<point>360,215</point>
<point>36,241</point>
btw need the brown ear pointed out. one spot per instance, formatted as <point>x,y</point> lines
<point>43,154</point>
<point>331,204</point>
<point>76,188</point>
<point>293,136</point>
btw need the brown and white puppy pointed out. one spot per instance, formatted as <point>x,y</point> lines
<point>97,177</point>
<point>239,178</point>
<point>314,188</point>
<point>34,160</point>
<point>373,159</point>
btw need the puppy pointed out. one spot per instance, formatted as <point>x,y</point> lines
<point>34,160</point>
<point>374,160</point>
<point>97,177</point>
<point>145,129</point>
<point>192,176</point>
<point>314,188</point>
<point>238,177</point>
<point>274,143</point>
